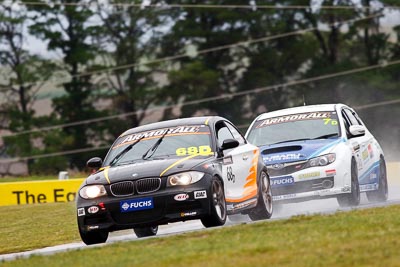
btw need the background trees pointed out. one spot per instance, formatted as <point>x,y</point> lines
<point>122,58</point>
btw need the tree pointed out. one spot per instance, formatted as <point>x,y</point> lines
<point>65,29</point>
<point>23,74</point>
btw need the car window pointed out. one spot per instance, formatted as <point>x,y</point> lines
<point>295,127</point>
<point>223,133</point>
<point>236,134</point>
<point>351,117</point>
<point>179,141</point>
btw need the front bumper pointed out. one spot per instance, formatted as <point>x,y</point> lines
<point>167,205</point>
<point>311,183</point>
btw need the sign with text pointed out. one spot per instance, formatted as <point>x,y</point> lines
<point>36,192</point>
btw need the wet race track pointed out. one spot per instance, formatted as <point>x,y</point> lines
<point>324,206</point>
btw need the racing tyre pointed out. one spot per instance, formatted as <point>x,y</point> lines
<point>91,238</point>
<point>218,215</point>
<point>381,194</point>
<point>352,199</point>
<point>264,207</point>
<point>145,231</point>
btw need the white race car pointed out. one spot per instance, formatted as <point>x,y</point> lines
<point>320,151</point>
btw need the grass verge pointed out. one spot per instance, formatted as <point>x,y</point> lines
<point>367,237</point>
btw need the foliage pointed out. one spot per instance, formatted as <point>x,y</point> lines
<point>219,56</point>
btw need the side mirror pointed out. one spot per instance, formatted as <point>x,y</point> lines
<point>357,130</point>
<point>94,163</point>
<point>229,143</point>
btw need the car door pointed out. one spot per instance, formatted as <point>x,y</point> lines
<point>364,151</point>
<point>239,165</point>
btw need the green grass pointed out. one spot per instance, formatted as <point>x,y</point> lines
<point>27,227</point>
<point>369,237</point>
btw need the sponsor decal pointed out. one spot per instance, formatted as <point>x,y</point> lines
<point>368,187</point>
<point>93,209</point>
<point>370,151</point>
<point>229,174</point>
<point>365,154</point>
<point>291,156</point>
<point>93,227</point>
<point>294,117</point>
<point>284,197</point>
<point>186,214</point>
<point>136,204</point>
<point>243,205</point>
<point>200,194</point>
<point>282,181</point>
<point>309,175</point>
<point>330,172</point>
<point>227,160</point>
<point>190,129</point>
<point>81,212</point>
<point>181,197</point>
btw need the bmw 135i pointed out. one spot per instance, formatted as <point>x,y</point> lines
<point>177,170</point>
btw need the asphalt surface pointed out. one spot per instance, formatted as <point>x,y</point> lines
<point>325,206</point>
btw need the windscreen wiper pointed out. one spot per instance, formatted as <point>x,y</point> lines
<point>325,136</point>
<point>154,147</point>
<point>293,140</point>
<point>123,152</point>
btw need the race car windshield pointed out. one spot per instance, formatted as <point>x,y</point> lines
<point>296,127</point>
<point>176,141</point>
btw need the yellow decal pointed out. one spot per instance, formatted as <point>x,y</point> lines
<point>309,175</point>
<point>106,174</point>
<point>330,121</point>
<point>206,123</point>
<point>201,150</point>
<point>36,192</point>
<point>176,163</point>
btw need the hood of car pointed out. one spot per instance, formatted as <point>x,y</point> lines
<point>296,150</point>
<point>145,168</point>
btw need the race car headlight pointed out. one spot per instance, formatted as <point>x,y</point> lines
<point>92,191</point>
<point>184,178</point>
<point>322,160</point>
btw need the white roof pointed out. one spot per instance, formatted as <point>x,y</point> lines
<point>300,109</point>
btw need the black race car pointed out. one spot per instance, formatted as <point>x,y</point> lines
<point>177,170</point>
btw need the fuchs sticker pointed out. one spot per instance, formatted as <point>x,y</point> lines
<point>282,181</point>
<point>93,209</point>
<point>81,212</point>
<point>200,194</point>
<point>136,204</point>
<point>181,197</point>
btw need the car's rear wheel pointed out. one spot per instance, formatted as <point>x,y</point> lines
<point>381,194</point>
<point>218,214</point>
<point>96,237</point>
<point>353,198</point>
<point>264,207</point>
<point>145,231</point>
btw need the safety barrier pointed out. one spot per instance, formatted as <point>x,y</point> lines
<point>33,192</point>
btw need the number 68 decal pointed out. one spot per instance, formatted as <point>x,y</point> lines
<point>193,150</point>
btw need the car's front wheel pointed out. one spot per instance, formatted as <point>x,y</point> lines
<point>381,194</point>
<point>96,237</point>
<point>264,207</point>
<point>217,216</point>
<point>145,231</point>
<point>352,199</point>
